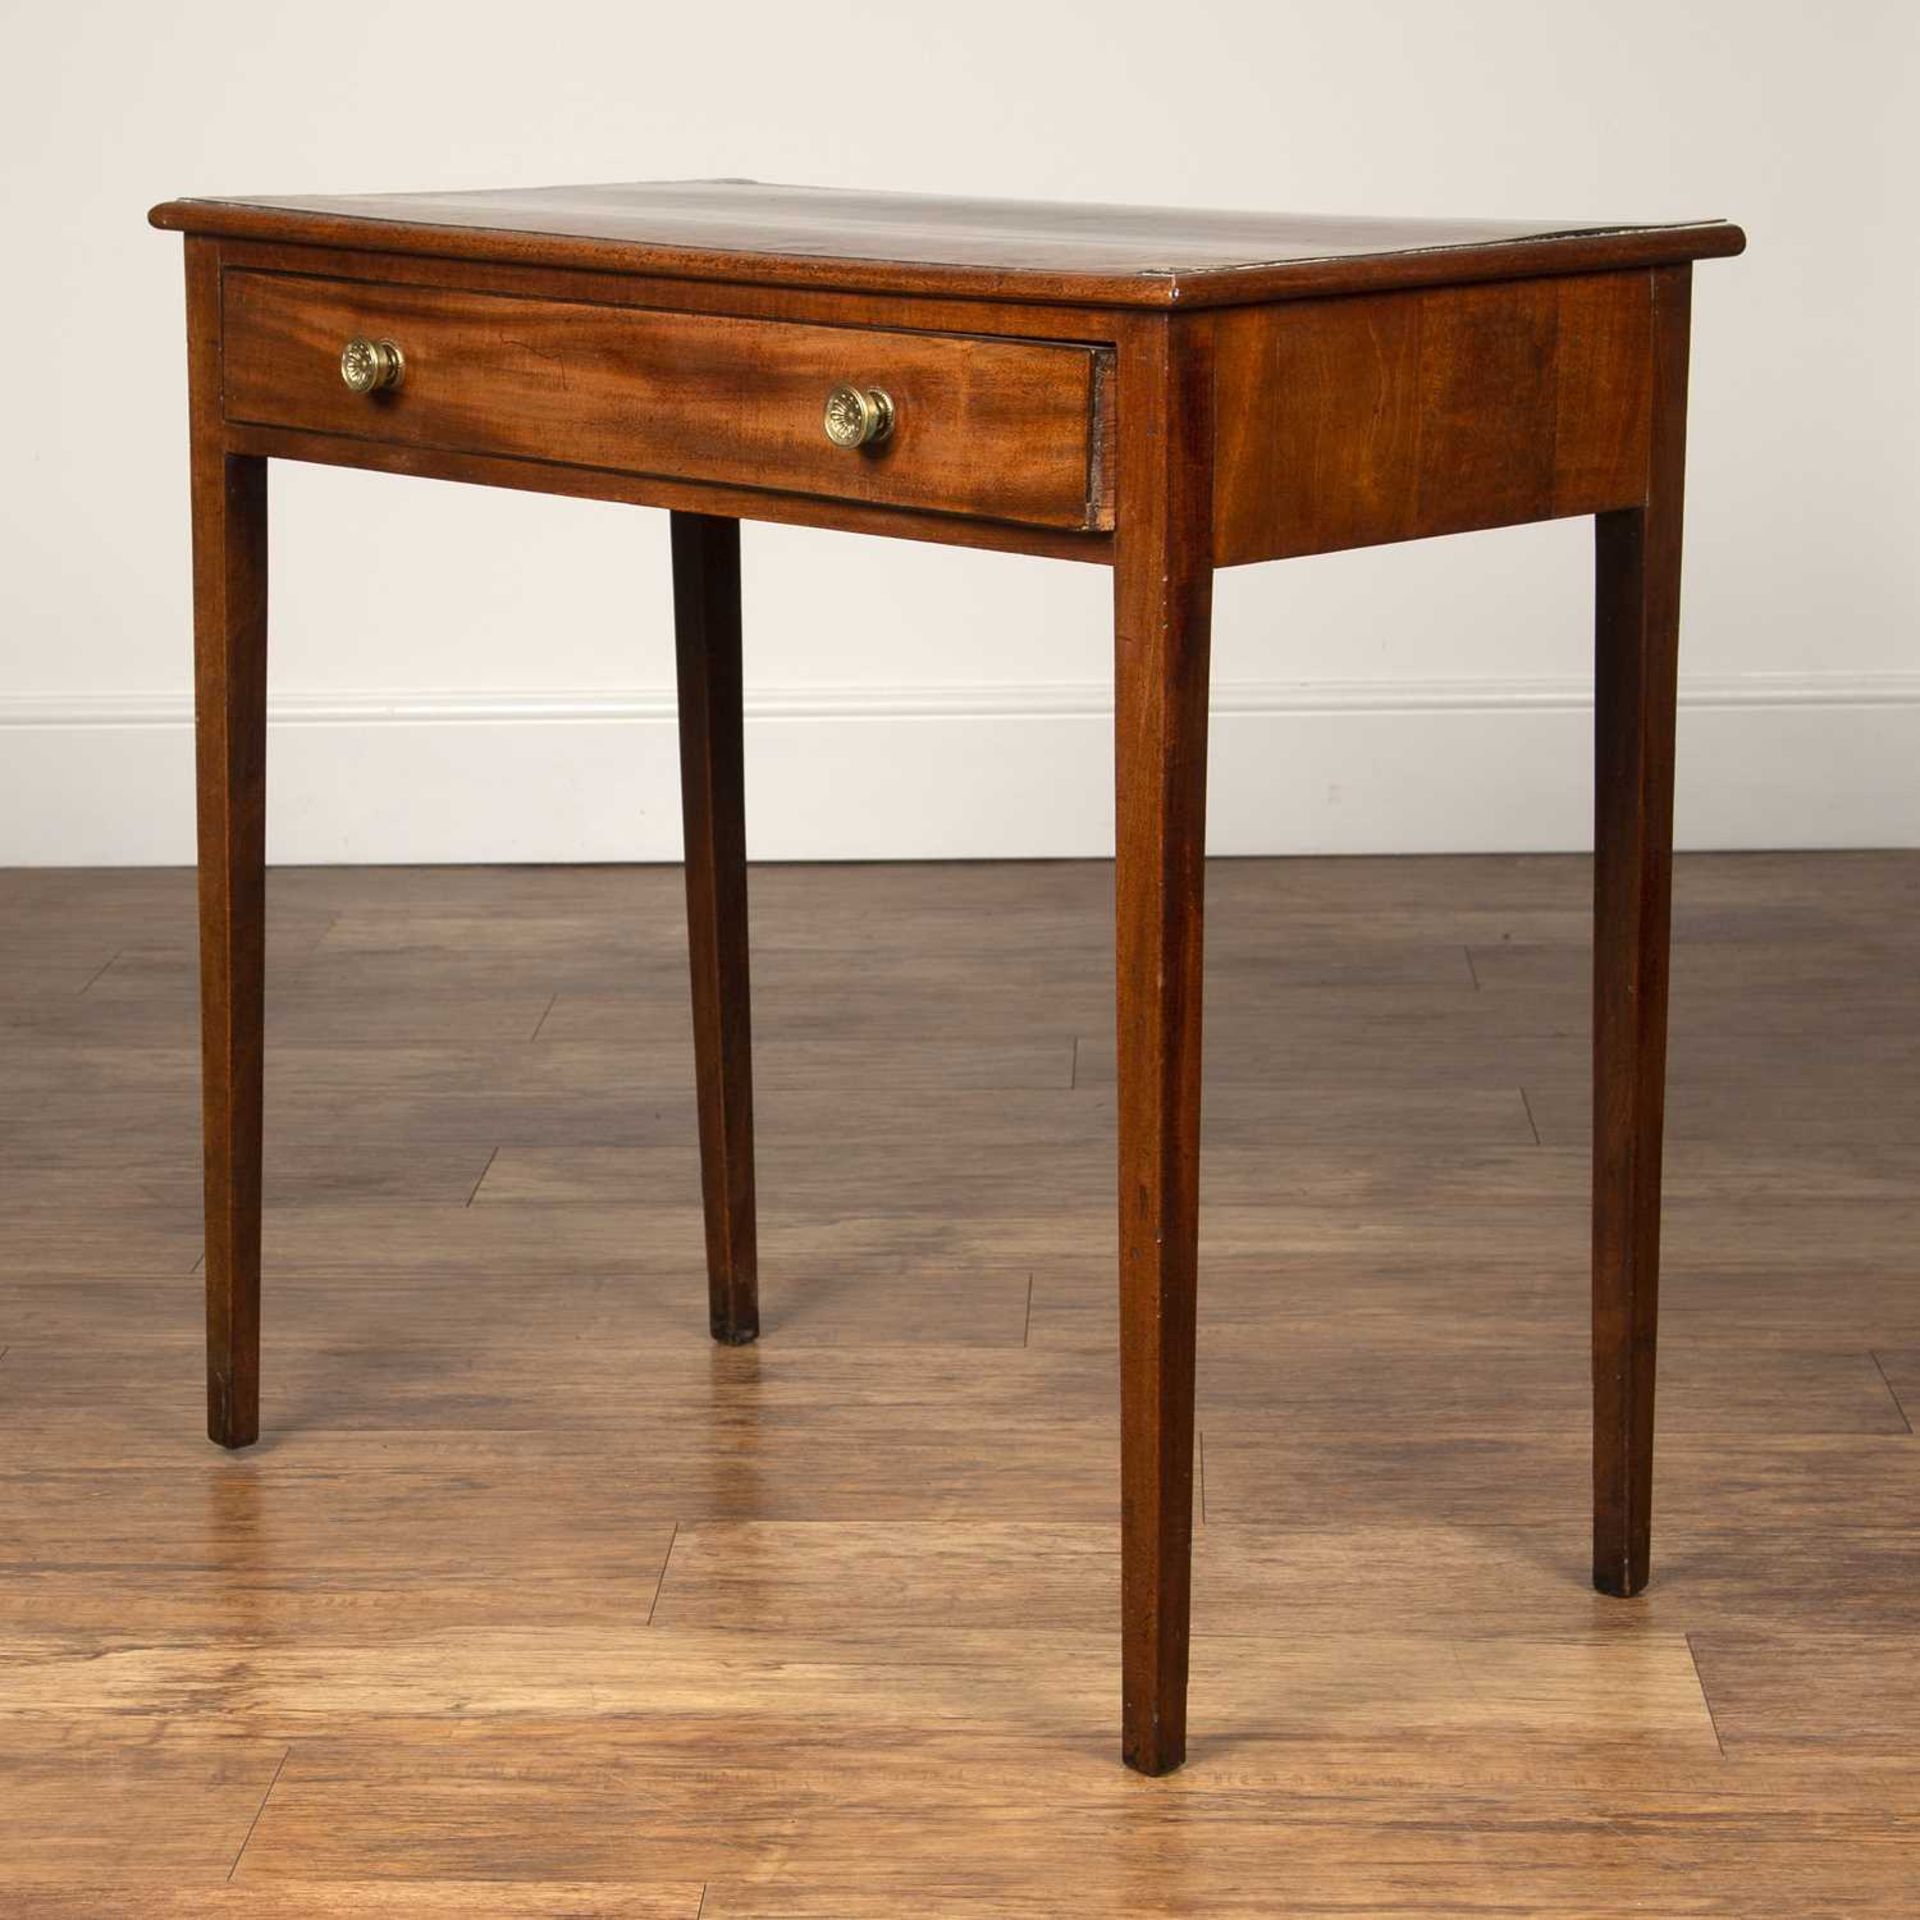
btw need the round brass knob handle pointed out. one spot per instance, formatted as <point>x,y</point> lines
<point>369,365</point>
<point>858,416</point>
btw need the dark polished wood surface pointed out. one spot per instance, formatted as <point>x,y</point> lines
<point>1397,416</point>
<point>1002,249</point>
<point>1047,392</point>
<point>229,495</point>
<point>713,812</point>
<point>1636,680</point>
<point>533,1601</point>
<point>1001,429</point>
<point>1162,621</point>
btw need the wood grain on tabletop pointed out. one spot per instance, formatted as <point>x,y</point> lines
<point>746,231</point>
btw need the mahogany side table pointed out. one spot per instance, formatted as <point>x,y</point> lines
<point>1155,391</point>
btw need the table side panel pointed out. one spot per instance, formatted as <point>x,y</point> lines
<point>1356,422</point>
<point>1001,428</point>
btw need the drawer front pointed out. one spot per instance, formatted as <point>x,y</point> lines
<point>996,429</point>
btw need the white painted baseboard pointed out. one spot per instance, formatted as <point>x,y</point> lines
<point>958,773</point>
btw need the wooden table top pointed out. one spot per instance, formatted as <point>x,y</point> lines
<point>742,230</point>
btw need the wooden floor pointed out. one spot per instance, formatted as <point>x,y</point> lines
<point>533,1601</point>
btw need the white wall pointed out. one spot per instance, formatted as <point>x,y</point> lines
<point>465,675</point>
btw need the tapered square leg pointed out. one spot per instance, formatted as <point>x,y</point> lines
<point>230,727</point>
<point>1637,555</point>
<point>706,616</point>
<point>1163,585</point>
